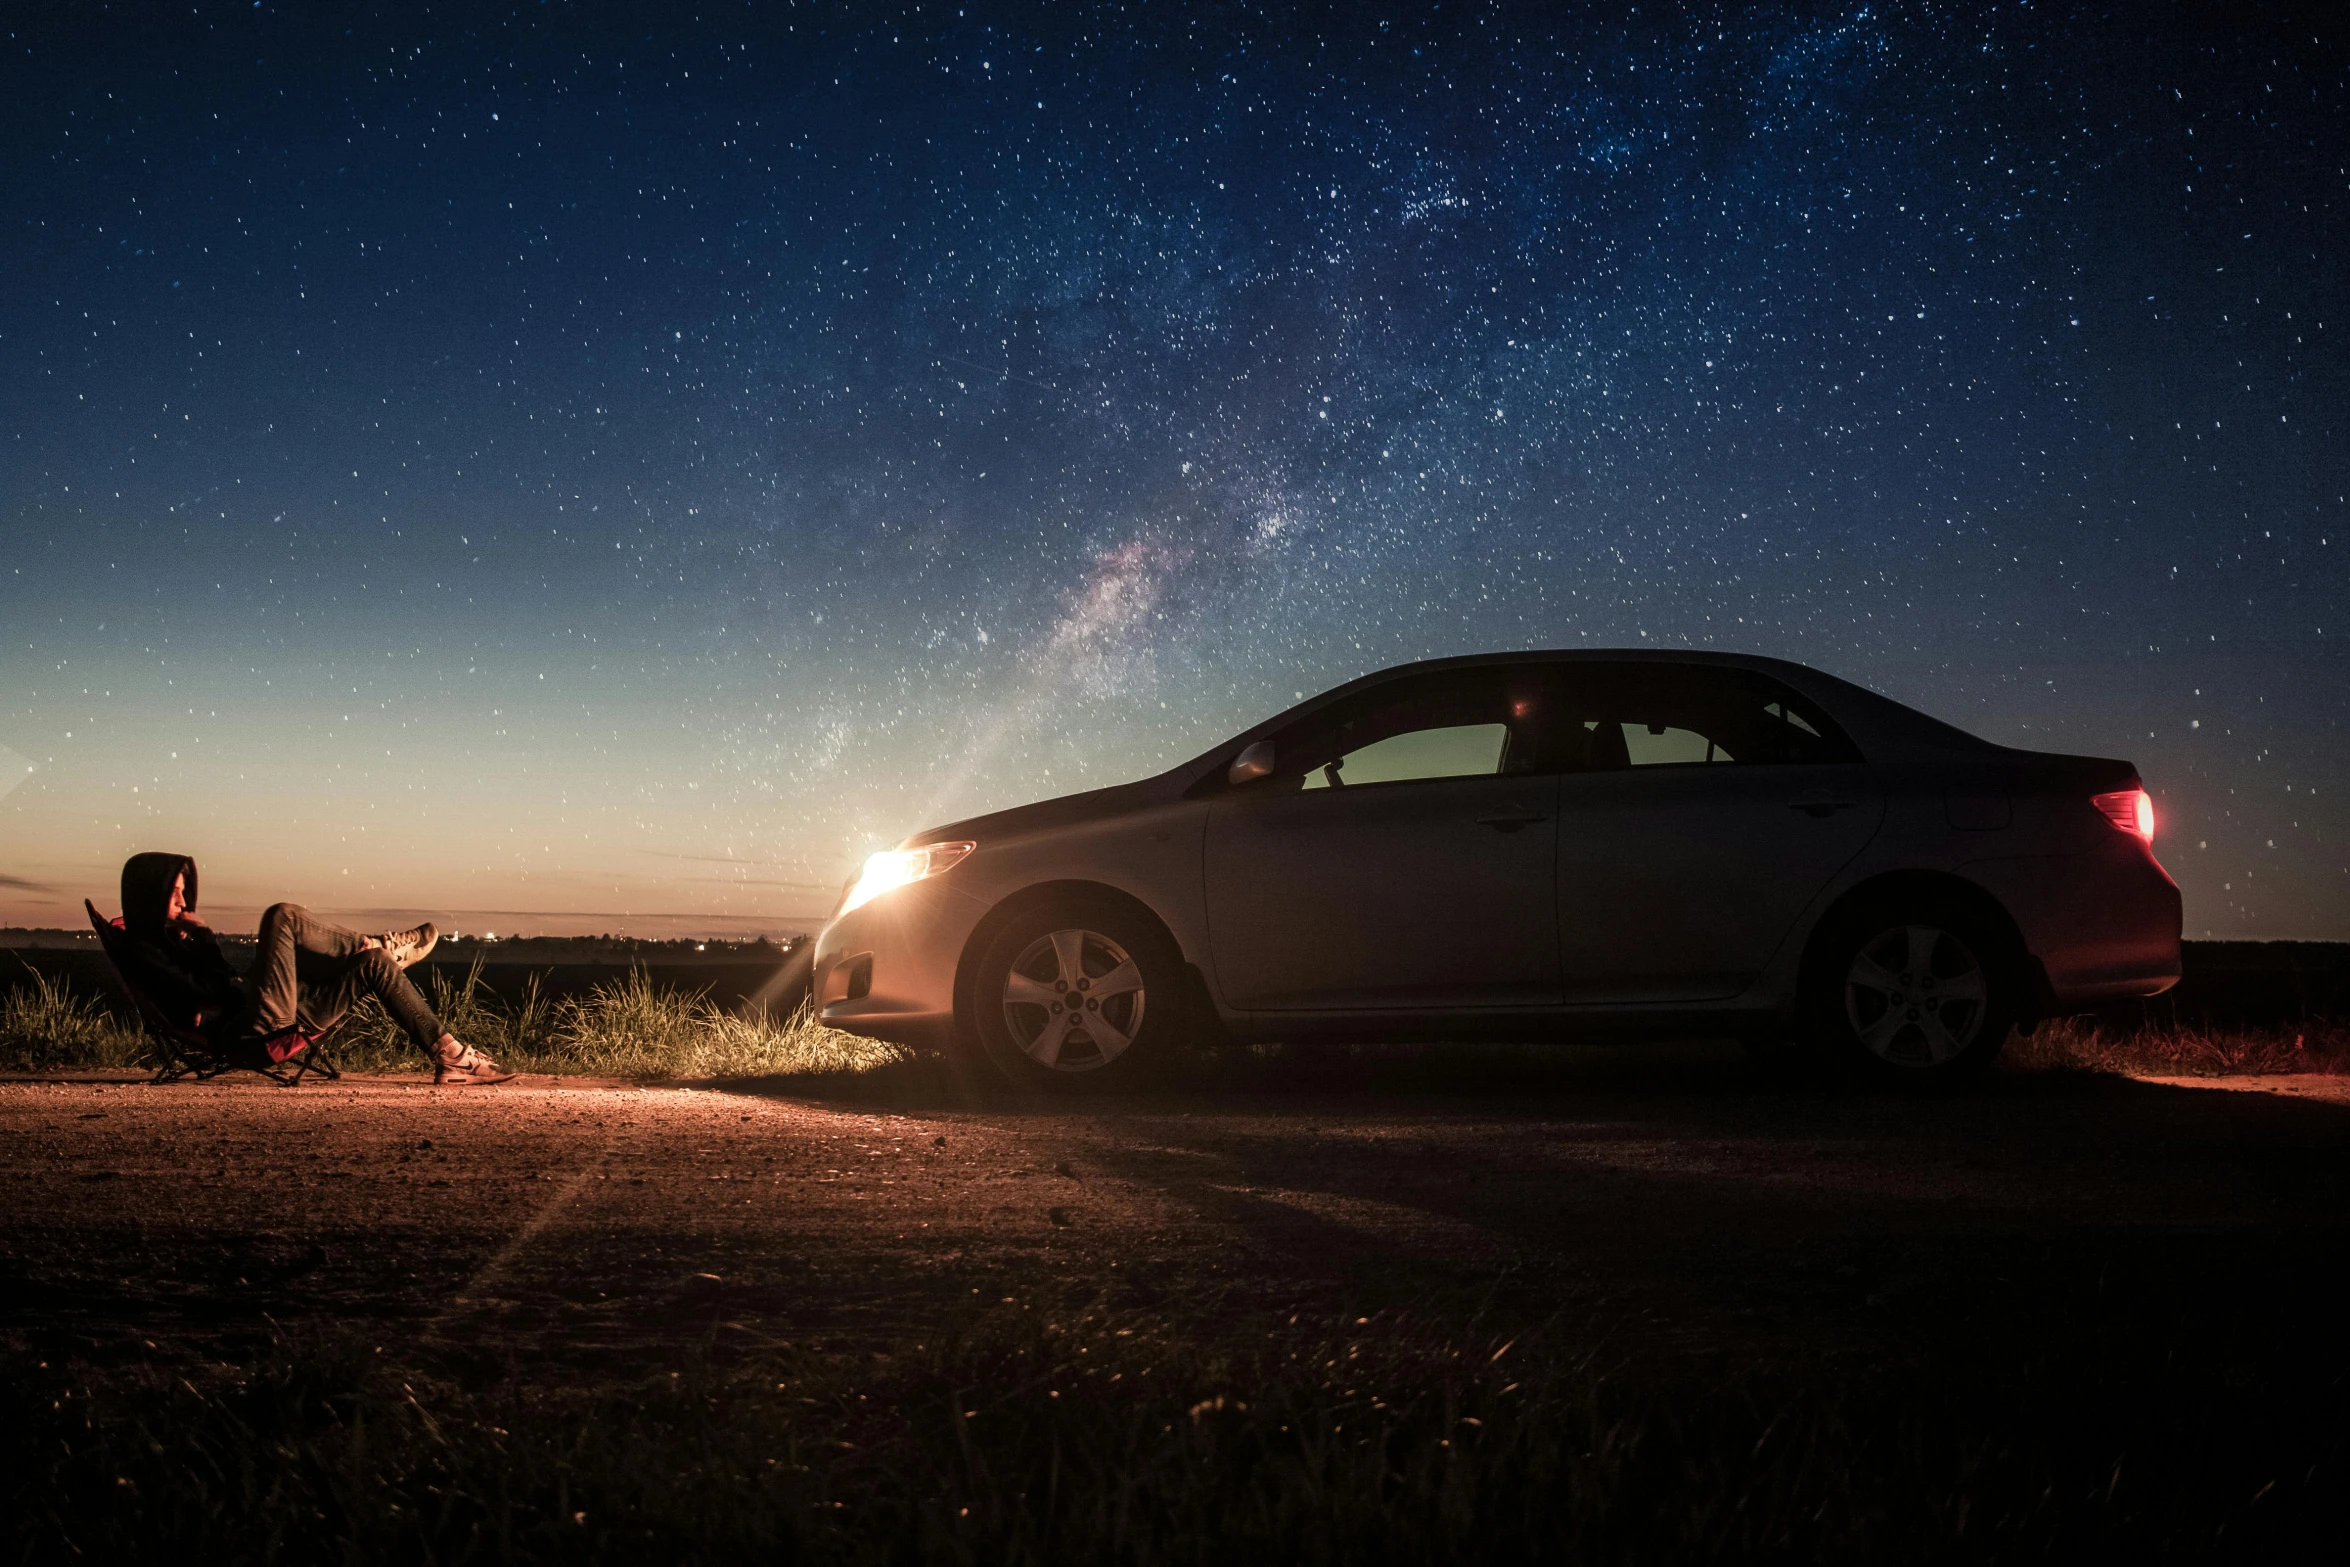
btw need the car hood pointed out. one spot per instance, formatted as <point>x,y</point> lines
<point>1045,815</point>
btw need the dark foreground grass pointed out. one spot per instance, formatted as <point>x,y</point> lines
<point>1100,1440</point>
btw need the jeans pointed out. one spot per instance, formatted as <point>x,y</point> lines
<point>307,972</point>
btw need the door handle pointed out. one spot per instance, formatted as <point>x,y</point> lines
<point>1510,823</point>
<point>1822,807</point>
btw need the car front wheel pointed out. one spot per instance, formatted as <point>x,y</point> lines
<point>1077,995</point>
<point>1916,993</point>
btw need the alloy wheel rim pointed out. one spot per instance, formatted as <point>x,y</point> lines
<point>1916,996</point>
<point>1073,1000</point>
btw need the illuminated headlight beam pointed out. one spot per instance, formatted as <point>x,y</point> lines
<point>894,868</point>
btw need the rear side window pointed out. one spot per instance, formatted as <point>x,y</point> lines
<point>1683,715</point>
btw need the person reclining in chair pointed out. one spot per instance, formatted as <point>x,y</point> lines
<point>306,972</point>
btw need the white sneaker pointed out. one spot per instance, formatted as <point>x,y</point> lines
<point>410,946</point>
<point>458,1065</point>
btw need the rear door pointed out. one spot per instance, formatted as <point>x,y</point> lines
<point>1703,808</point>
<point>1402,855</point>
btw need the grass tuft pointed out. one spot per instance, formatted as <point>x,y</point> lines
<point>626,1027</point>
<point>44,1026</point>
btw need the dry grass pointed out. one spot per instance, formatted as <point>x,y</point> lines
<point>630,1027</point>
<point>44,1026</point>
<point>626,1027</point>
<point>2182,1049</point>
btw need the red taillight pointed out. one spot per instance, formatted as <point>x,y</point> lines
<point>2132,810</point>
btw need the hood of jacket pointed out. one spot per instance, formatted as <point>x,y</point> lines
<point>146,890</point>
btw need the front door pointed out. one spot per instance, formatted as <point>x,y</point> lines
<point>1707,808</point>
<point>1401,856</point>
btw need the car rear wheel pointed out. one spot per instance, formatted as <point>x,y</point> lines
<point>1918,993</point>
<point>1077,995</point>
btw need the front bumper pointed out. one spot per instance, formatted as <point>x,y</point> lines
<point>887,970</point>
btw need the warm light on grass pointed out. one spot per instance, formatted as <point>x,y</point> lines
<point>44,1025</point>
<point>630,1027</point>
<point>627,1027</point>
<point>2181,1050</point>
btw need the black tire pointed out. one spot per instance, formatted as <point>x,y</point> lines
<point>1922,991</point>
<point>1043,1015</point>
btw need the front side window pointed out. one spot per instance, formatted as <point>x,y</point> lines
<point>1447,751</point>
<point>1682,715</point>
<point>1469,724</point>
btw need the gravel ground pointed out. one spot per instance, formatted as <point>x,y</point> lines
<point>1670,1197</point>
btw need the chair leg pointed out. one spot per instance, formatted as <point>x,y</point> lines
<point>179,1064</point>
<point>174,1063</point>
<point>312,1062</point>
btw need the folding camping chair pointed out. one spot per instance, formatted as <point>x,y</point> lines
<point>286,1057</point>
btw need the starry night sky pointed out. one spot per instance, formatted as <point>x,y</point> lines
<point>607,469</point>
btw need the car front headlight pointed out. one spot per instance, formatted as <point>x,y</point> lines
<point>894,868</point>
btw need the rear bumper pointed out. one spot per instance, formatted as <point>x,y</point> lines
<point>2104,925</point>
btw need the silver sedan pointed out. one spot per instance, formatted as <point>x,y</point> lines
<point>1528,845</point>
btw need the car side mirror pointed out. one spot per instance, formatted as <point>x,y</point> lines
<point>1250,765</point>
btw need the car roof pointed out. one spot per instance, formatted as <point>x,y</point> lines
<point>1886,731</point>
<point>1883,729</point>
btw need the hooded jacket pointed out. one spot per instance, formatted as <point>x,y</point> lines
<point>177,964</point>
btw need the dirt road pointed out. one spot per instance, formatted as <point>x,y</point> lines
<point>1671,1197</point>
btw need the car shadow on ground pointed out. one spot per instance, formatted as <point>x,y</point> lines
<point>1727,1199</point>
<point>1492,1136</point>
<point>1514,1080</point>
<point>1240,1078</point>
